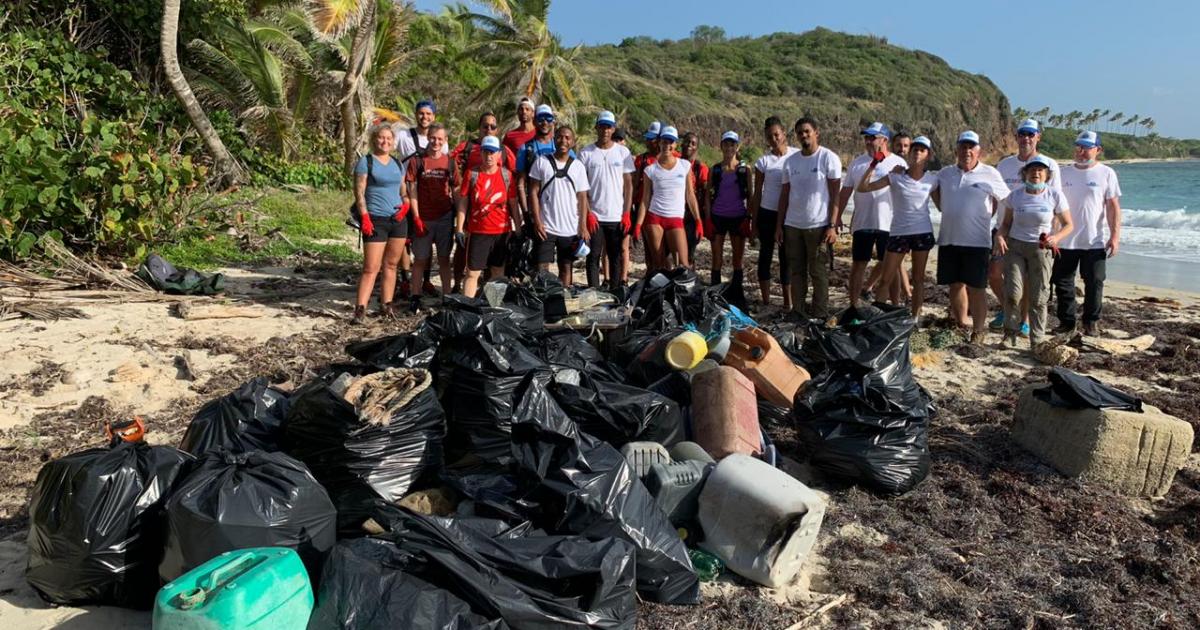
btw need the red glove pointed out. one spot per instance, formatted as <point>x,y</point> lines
<point>368,228</point>
<point>401,211</point>
<point>700,230</point>
<point>708,228</point>
<point>419,226</point>
<point>625,223</point>
<point>637,231</point>
<point>593,225</point>
<point>877,158</point>
<point>746,228</point>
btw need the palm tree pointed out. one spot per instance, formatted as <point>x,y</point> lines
<point>1129,121</point>
<point>1115,118</point>
<point>1149,124</point>
<point>1104,115</point>
<point>1042,113</point>
<point>330,20</point>
<point>388,55</point>
<point>1093,117</point>
<point>226,170</point>
<point>1021,113</point>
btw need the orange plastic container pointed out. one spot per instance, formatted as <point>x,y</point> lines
<point>725,413</point>
<point>756,354</point>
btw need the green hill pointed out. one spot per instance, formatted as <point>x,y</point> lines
<point>844,81</point>
<point>1060,143</point>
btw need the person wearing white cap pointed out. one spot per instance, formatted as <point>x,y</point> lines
<point>487,210</point>
<point>1029,134</point>
<point>668,193</point>
<point>911,228</point>
<point>644,160</point>
<point>524,131</point>
<point>610,174</point>
<point>872,210</point>
<point>541,144</point>
<point>559,187</point>
<point>967,195</point>
<point>1026,239</point>
<point>730,183</point>
<point>1094,195</point>
<point>807,209</point>
<point>764,214</point>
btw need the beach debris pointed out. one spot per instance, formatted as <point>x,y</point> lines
<point>1055,352</point>
<point>1118,347</point>
<point>39,311</point>
<point>191,312</point>
<point>183,363</point>
<point>1154,299</point>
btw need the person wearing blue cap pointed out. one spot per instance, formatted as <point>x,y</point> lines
<point>668,194</point>
<point>381,200</point>
<point>872,216</point>
<point>911,229</point>
<point>1027,239</point>
<point>807,209</point>
<point>1094,195</point>
<point>487,212</point>
<point>1029,135</point>
<point>610,174</point>
<point>415,139</point>
<point>730,183</point>
<point>541,144</point>
<point>764,214</point>
<point>559,194</point>
<point>967,195</point>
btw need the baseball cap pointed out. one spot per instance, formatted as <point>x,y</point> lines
<point>877,129</point>
<point>491,144</point>
<point>607,119</point>
<point>923,141</point>
<point>425,103</point>
<point>1087,139</point>
<point>653,130</point>
<point>543,111</point>
<point>968,136</point>
<point>1038,160</point>
<point>1030,125</point>
<point>669,133</point>
<point>618,135</point>
<point>731,136</point>
<point>525,100</point>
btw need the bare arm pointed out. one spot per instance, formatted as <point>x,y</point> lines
<point>1065,226</point>
<point>693,205</point>
<point>647,191</point>
<point>866,186</point>
<point>360,193</point>
<point>1001,244</point>
<point>843,199</point>
<point>1112,209</point>
<point>756,196</point>
<point>784,192</point>
<point>581,201</point>
<point>535,210</point>
<point>627,190</point>
<point>460,216</point>
<point>835,209</point>
<point>937,199</point>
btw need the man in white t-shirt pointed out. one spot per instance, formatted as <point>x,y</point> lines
<point>967,194</point>
<point>559,197</point>
<point>1029,134</point>
<point>610,175</point>
<point>872,219</point>
<point>807,209</point>
<point>413,140</point>
<point>1094,195</point>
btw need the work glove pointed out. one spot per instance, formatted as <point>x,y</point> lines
<point>626,223</point>
<point>419,226</point>
<point>708,228</point>
<point>368,228</point>
<point>637,232</point>
<point>746,229</point>
<point>592,223</point>
<point>877,158</point>
<point>402,211</point>
<point>700,230</point>
<point>460,238</point>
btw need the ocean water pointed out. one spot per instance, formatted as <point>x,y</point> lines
<point>1160,203</point>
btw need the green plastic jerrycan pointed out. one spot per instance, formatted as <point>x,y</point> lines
<point>260,588</point>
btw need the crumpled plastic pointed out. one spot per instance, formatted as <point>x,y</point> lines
<point>165,277</point>
<point>1075,391</point>
<point>248,419</point>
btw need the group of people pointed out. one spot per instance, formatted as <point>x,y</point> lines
<point>1021,227</point>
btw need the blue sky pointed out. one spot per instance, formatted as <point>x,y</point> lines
<point>1138,57</point>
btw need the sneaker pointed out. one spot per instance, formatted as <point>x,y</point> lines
<point>429,289</point>
<point>1091,329</point>
<point>978,338</point>
<point>1065,328</point>
<point>387,311</point>
<point>360,315</point>
<point>997,322</point>
<point>1025,329</point>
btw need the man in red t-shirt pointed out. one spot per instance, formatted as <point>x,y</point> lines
<point>467,155</point>
<point>487,209</point>
<point>525,131</point>
<point>431,183</point>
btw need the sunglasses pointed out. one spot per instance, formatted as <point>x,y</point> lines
<point>487,126</point>
<point>1026,134</point>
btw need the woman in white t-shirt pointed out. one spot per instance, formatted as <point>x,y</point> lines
<point>1026,240</point>
<point>768,180</point>
<point>911,228</point>
<point>666,195</point>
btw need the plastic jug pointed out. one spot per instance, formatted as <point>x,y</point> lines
<point>725,413</point>
<point>642,455</point>
<point>676,489</point>
<point>685,351</point>
<point>758,520</point>
<point>684,451</point>
<point>755,353</point>
<point>263,588</point>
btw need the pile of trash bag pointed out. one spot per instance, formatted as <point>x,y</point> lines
<point>863,416</point>
<point>249,419</point>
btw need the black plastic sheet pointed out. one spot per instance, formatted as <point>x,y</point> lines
<point>863,416</point>
<point>569,349</point>
<point>1075,391</point>
<point>617,413</point>
<point>97,524</point>
<point>359,462</point>
<point>249,419</point>
<point>549,289</point>
<point>242,500</point>
<point>412,350</point>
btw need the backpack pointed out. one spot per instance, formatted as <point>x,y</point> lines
<point>564,173</point>
<point>474,183</point>
<point>531,155</point>
<point>743,179</point>
<point>465,156</point>
<point>418,164</point>
<point>418,150</point>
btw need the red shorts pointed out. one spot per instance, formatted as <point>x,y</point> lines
<point>666,223</point>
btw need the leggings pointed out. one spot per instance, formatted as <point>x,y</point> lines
<point>606,241</point>
<point>765,224</point>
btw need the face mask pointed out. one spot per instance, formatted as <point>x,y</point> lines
<point>1039,187</point>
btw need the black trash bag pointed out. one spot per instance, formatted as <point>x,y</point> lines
<point>772,415</point>
<point>359,461</point>
<point>644,355</point>
<point>97,524</point>
<point>248,419</point>
<point>863,417</point>
<point>521,263</point>
<point>461,316</point>
<point>657,308</point>
<point>676,385</point>
<point>165,277</point>
<point>1072,390</point>
<point>243,500</point>
<point>618,413</point>
<point>549,289</point>
<point>791,339</point>
<point>569,349</point>
<point>412,350</point>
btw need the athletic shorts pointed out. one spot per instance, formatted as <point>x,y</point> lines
<point>386,228</point>
<point>563,246</point>
<point>911,243</point>
<point>966,265</point>
<point>866,242</point>
<point>440,232</point>
<point>727,226</point>
<point>666,223</point>
<point>487,250</point>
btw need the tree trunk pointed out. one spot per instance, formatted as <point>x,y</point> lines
<point>226,169</point>
<point>356,60</point>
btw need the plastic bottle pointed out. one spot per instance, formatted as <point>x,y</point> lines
<point>604,316</point>
<point>686,350</point>
<point>756,354</point>
<point>260,588</point>
<point>708,567</point>
<point>676,487</point>
<point>685,451</point>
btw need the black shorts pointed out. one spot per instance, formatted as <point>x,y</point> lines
<point>968,265</point>
<point>727,226</point>
<point>386,228</point>
<point>487,250</point>
<point>564,246</point>
<point>867,240</point>
<point>911,243</point>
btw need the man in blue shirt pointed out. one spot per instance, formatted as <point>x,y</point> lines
<point>541,144</point>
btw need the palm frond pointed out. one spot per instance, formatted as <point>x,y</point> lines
<point>330,19</point>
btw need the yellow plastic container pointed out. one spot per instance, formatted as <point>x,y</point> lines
<point>686,351</point>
